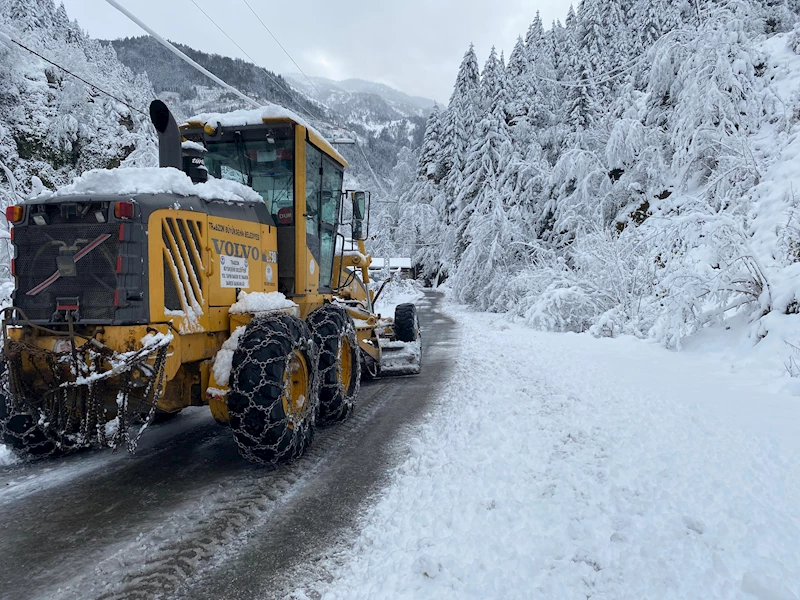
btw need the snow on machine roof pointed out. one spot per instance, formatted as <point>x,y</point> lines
<point>257,116</point>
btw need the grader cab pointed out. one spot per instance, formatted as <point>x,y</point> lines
<point>227,284</point>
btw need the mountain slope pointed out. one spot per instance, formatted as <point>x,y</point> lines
<point>382,130</point>
<point>329,91</point>
<point>54,126</point>
<point>195,92</point>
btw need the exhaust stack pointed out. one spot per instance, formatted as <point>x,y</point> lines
<point>169,136</point>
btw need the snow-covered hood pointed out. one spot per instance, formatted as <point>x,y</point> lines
<point>152,180</point>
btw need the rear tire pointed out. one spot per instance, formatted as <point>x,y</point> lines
<point>406,324</point>
<point>274,393</point>
<point>339,362</point>
<point>19,430</point>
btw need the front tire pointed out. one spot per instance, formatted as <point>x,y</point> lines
<point>406,323</point>
<point>339,361</point>
<point>274,393</point>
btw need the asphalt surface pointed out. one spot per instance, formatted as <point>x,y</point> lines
<point>186,517</point>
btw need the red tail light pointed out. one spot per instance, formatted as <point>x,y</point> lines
<point>14,214</point>
<point>13,267</point>
<point>116,298</point>
<point>119,264</point>
<point>122,232</point>
<point>124,210</point>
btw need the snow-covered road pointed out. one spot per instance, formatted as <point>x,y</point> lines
<point>563,466</point>
<point>550,466</point>
<point>187,517</point>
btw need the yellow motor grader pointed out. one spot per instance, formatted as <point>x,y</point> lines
<point>129,306</point>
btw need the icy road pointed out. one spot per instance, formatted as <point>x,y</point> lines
<point>519,465</point>
<point>186,517</point>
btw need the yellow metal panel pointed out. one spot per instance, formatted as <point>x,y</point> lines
<point>218,318</point>
<point>239,239</point>
<point>176,253</point>
<point>270,265</point>
<point>368,343</point>
<point>301,270</point>
<point>219,408</point>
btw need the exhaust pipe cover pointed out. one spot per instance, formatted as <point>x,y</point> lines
<point>169,136</point>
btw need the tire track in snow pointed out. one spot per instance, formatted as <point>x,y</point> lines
<point>217,536</point>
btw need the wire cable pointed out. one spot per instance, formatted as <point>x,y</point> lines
<point>181,55</point>
<point>264,25</point>
<point>78,77</point>
<point>611,74</point>
<point>252,60</point>
<point>369,166</point>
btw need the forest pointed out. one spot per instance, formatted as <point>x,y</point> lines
<point>625,171</point>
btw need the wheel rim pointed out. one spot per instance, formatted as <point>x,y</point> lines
<point>295,386</point>
<point>345,362</point>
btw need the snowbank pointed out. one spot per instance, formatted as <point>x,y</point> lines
<point>259,301</point>
<point>153,180</point>
<point>564,466</point>
<point>6,456</point>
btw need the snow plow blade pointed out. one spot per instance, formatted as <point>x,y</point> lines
<point>400,358</point>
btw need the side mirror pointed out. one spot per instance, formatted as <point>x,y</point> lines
<point>359,214</point>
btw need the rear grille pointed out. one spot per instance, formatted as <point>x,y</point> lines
<point>96,281</point>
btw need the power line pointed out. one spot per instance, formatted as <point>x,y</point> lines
<point>264,25</point>
<point>180,54</point>
<point>369,166</point>
<point>611,74</point>
<point>252,60</point>
<point>78,77</point>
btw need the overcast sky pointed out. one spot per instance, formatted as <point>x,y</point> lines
<point>412,45</point>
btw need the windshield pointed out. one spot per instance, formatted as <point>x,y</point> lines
<point>263,160</point>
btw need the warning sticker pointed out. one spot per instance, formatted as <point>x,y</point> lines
<point>234,272</point>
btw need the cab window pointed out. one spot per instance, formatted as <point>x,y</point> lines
<point>262,160</point>
<point>332,175</point>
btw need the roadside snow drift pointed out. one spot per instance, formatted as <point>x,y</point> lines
<point>563,466</point>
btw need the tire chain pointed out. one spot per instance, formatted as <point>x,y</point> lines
<point>71,416</point>
<point>334,318</point>
<point>268,346</point>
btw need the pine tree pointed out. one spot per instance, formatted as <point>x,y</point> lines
<point>459,126</point>
<point>517,80</point>
<point>489,152</point>
<point>483,229</point>
<point>648,18</point>
<point>490,80</point>
<point>429,165</point>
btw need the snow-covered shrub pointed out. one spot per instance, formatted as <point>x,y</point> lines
<point>710,271</point>
<point>793,41</point>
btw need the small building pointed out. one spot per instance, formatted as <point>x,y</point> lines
<point>402,264</point>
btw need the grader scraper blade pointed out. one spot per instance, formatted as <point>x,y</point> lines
<point>400,358</point>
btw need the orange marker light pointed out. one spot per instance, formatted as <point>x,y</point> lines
<point>14,214</point>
